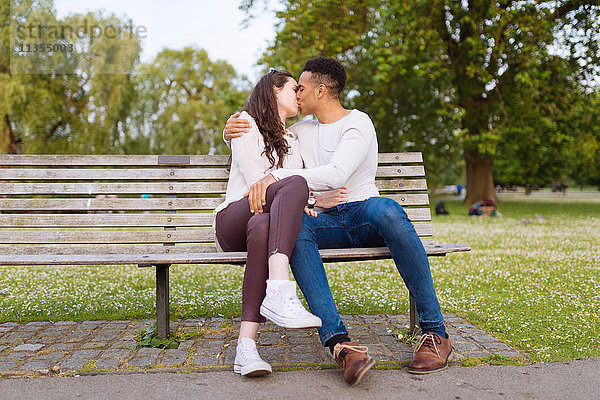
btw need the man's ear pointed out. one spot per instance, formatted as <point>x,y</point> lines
<point>321,90</point>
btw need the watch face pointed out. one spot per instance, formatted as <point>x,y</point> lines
<point>311,201</point>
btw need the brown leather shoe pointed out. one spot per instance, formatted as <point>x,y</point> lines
<point>353,360</point>
<point>431,354</point>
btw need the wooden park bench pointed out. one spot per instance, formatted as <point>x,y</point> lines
<point>154,211</point>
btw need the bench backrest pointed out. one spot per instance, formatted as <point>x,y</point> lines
<point>82,204</point>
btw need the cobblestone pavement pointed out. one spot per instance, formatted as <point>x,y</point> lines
<point>36,348</point>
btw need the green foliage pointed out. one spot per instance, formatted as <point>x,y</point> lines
<point>184,100</point>
<point>149,338</point>
<point>449,77</point>
<point>99,99</point>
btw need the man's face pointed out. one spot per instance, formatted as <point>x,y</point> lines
<point>305,96</point>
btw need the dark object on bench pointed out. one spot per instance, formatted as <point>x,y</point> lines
<point>97,210</point>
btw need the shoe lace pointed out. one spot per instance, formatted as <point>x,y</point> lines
<point>348,347</point>
<point>293,304</point>
<point>428,340</point>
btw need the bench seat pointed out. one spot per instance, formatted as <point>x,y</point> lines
<point>156,211</point>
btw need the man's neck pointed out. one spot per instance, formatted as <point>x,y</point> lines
<point>331,112</point>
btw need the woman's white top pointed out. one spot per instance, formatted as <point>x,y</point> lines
<point>249,163</point>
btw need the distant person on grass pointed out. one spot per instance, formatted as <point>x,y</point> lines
<point>339,148</point>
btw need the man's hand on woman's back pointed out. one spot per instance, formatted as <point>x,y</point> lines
<point>235,127</point>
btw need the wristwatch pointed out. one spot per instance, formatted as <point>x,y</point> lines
<point>311,200</point>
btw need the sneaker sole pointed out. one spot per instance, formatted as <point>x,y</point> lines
<point>259,370</point>
<point>283,322</point>
<point>432,370</point>
<point>363,372</point>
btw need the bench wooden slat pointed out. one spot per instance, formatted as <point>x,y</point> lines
<point>168,188</point>
<point>104,220</point>
<point>41,236</point>
<point>396,158</point>
<point>398,185</point>
<point>98,249</point>
<point>106,236</point>
<point>141,220</point>
<point>144,174</point>
<point>148,160</point>
<point>149,174</point>
<point>328,255</point>
<point>98,204</point>
<point>157,204</point>
<point>111,160</point>
<point>44,188</point>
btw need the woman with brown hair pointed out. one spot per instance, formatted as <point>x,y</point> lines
<point>269,235</point>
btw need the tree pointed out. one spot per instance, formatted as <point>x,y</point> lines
<point>64,102</point>
<point>184,100</point>
<point>441,69</point>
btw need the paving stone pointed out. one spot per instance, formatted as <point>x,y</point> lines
<point>29,347</point>
<point>86,354</point>
<point>402,357</point>
<point>8,325</point>
<point>465,346</point>
<point>475,354</point>
<point>484,337</point>
<point>116,327</point>
<point>52,358</point>
<point>36,366</point>
<point>270,334</point>
<point>267,341</point>
<point>148,352</point>
<point>8,366</point>
<point>73,364</point>
<point>497,345</point>
<point>63,323</point>
<point>16,356</point>
<point>94,345</point>
<point>117,353</point>
<point>205,361</point>
<point>303,349</point>
<point>2,348</point>
<point>130,345</point>
<point>107,363</point>
<point>173,361</point>
<point>305,358</point>
<point>186,345</point>
<point>275,355</point>
<point>4,329</point>
<point>61,346</point>
<point>142,361</point>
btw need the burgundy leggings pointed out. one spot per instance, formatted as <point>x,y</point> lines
<point>274,230</point>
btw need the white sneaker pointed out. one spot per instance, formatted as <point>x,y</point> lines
<point>247,360</point>
<point>282,306</point>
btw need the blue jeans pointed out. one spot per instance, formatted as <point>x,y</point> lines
<point>375,222</point>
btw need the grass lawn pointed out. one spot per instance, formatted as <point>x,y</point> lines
<point>536,285</point>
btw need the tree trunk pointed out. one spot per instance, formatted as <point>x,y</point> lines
<point>8,142</point>
<point>480,180</point>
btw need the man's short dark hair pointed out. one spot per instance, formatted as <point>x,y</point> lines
<point>327,71</point>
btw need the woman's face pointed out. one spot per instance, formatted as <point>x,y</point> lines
<point>286,99</point>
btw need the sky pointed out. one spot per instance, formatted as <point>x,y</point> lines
<point>214,25</point>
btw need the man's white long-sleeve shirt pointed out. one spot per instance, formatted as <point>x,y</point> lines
<point>343,153</point>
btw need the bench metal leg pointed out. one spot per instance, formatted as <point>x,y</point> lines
<point>414,317</point>
<point>162,301</point>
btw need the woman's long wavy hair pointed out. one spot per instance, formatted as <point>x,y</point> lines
<point>262,106</point>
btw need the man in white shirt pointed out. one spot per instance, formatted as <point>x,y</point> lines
<point>340,149</point>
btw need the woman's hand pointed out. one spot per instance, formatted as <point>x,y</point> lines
<point>310,212</point>
<point>331,198</point>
